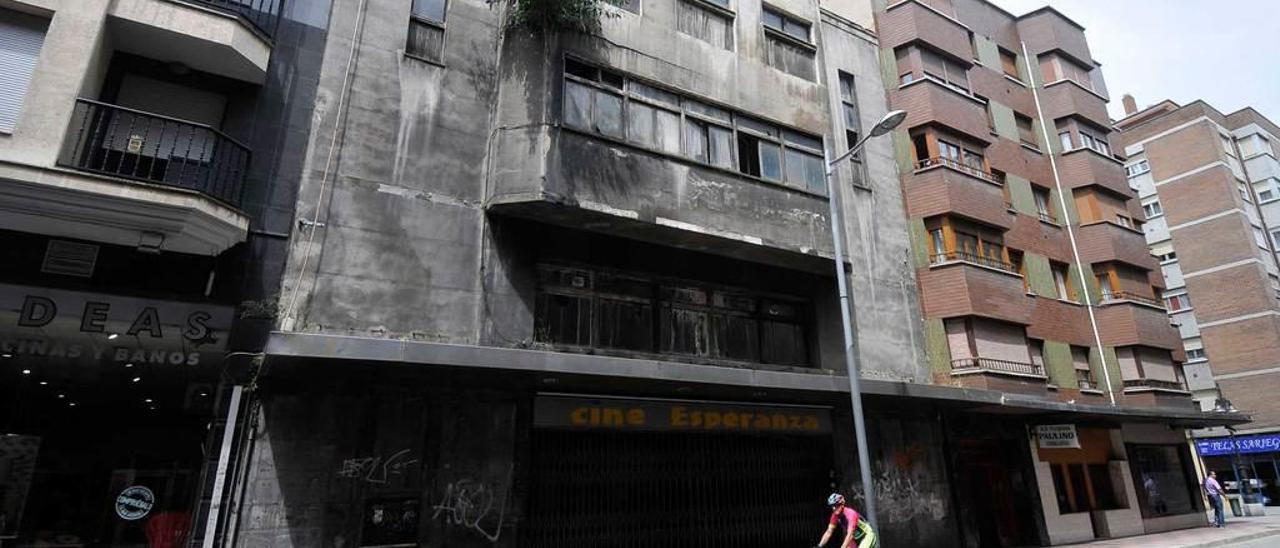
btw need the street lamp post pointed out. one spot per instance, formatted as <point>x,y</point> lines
<point>885,125</point>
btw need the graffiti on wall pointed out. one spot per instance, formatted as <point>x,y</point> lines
<point>377,469</point>
<point>472,505</point>
<point>898,487</point>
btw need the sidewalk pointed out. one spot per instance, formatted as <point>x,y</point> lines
<point>1238,530</point>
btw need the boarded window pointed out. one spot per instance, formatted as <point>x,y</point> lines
<point>1026,131</point>
<point>1009,63</point>
<point>704,23</point>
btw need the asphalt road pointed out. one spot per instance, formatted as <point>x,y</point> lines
<point>1270,542</point>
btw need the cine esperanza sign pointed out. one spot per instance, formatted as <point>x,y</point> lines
<point>1057,436</point>
<point>676,416</point>
<point>87,328</point>
<point>1260,443</point>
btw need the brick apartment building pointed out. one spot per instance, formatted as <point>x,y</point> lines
<point>396,272</point>
<point>1207,182</point>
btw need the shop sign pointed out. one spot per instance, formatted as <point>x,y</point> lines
<point>1057,436</point>
<point>1260,443</point>
<point>677,416</point>
<point>134,503</point>
<point>87,328</point>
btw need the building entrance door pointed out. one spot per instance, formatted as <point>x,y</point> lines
<point>668,489</point>
<point>995,494</point>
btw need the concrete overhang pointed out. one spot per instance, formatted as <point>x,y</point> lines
<point>202,38</point>
<point>601,372</point>
<point>70,204</point>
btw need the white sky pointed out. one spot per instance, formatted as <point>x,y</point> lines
<point>1226,52</point>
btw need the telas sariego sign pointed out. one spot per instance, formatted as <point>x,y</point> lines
<point>81,327</point>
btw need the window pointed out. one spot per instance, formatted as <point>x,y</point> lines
<point>1226,145</point>
<point>1035,347</point>
<point>1165,485</point>
<point>787,44</point>
<point>1275,238</point>
<point>1255,144</point>
<point>1104,282</point>
<point>944,70</point>
<point>970,243</point>
<point>1152,210</point>
<point>632,6</point>
<point>1174,303</point>
<point>1061,68</point>
<point>849,110</point>
<point>1009,63</point>
<point>1259,237</point>
<point>1095,143</point>
<point>1266,191</point>
<point>1167,257</point>
<point>1244,192</point>
<point>1124,220</point>
<point>1060,270</point>
<point>1065,139</point>
<point>906,78</point>
<point>1041,197</point>
<point>705,23</point>
<point>1195,354</point>
<point>607,103</point>
<point>595,309</point>
<point>22,36</point>
<point>1026,131</point>
<point>1138,168</point>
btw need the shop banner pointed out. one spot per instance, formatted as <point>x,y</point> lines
<point>90,328</point>
<point>1260,443</point>
<point>1057,436</point>
<point>677,416</point>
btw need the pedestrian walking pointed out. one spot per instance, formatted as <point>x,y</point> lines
<point>1214,491</point>
<point>857,532</point>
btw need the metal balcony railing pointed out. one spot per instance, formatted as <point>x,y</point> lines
<point>988,364</point>
<point>972,171</point>
<point>123,142</point>
<point>1116,296</point>
<point>968,257</point>
<point>263,15</point>
<point>1152,383</point>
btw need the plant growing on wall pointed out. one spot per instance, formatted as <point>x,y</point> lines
<point>558,15</point>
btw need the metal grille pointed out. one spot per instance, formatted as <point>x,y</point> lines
<point>676,490</point>
<point>264,15</point>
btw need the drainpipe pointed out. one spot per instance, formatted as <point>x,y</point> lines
<point>1071,233</point>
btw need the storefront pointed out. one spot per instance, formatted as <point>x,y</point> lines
<point>610,472</point>
<point>105,408</point>
<point>1256,456</point>
<point>1164,477</point>
<point>1085,484</point>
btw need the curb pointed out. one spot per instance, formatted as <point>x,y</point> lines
<point>1234,540</point>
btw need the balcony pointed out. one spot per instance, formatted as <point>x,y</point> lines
<point>1130,322</point>
<point>133,178</point>
<point>120,142</point>
<point>1066,98</point>
<point>907,22</point>
<point>230,38</point>
<point>1157,393</point>
<point>961,284</point>
<point>929,101</point>
<point>1116,297</point>
<point>1082,167</point>
<point>1001,375</point>
<point>1106,241</point>
<point>585,181</point>
<point>942,185</point>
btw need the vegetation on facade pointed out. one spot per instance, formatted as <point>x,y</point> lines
<point>550,16</point>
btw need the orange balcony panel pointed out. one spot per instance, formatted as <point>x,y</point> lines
<point>1084,167</point>
<point>928,101</point>
<point>1065,98</point>
<point>906,22</point>
<point>940,189</point>
<point>1107,241</point>
<point>965,289</point>
<point>1126,323</point>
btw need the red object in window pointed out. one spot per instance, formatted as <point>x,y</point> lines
<point>168,529</point>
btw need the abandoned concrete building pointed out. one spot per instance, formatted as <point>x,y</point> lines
<point>514,288</point>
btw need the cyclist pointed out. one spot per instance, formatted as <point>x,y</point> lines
<point>857,532</point>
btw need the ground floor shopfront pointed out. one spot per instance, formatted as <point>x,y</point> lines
<point>376,453</point>
<point>1253,457</point>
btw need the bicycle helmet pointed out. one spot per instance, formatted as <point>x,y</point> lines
<point>834,499</point>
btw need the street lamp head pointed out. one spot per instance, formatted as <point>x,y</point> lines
<point>890,121</point>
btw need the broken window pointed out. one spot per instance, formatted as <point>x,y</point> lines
<point>709,24</point>
<point>426,30</point>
